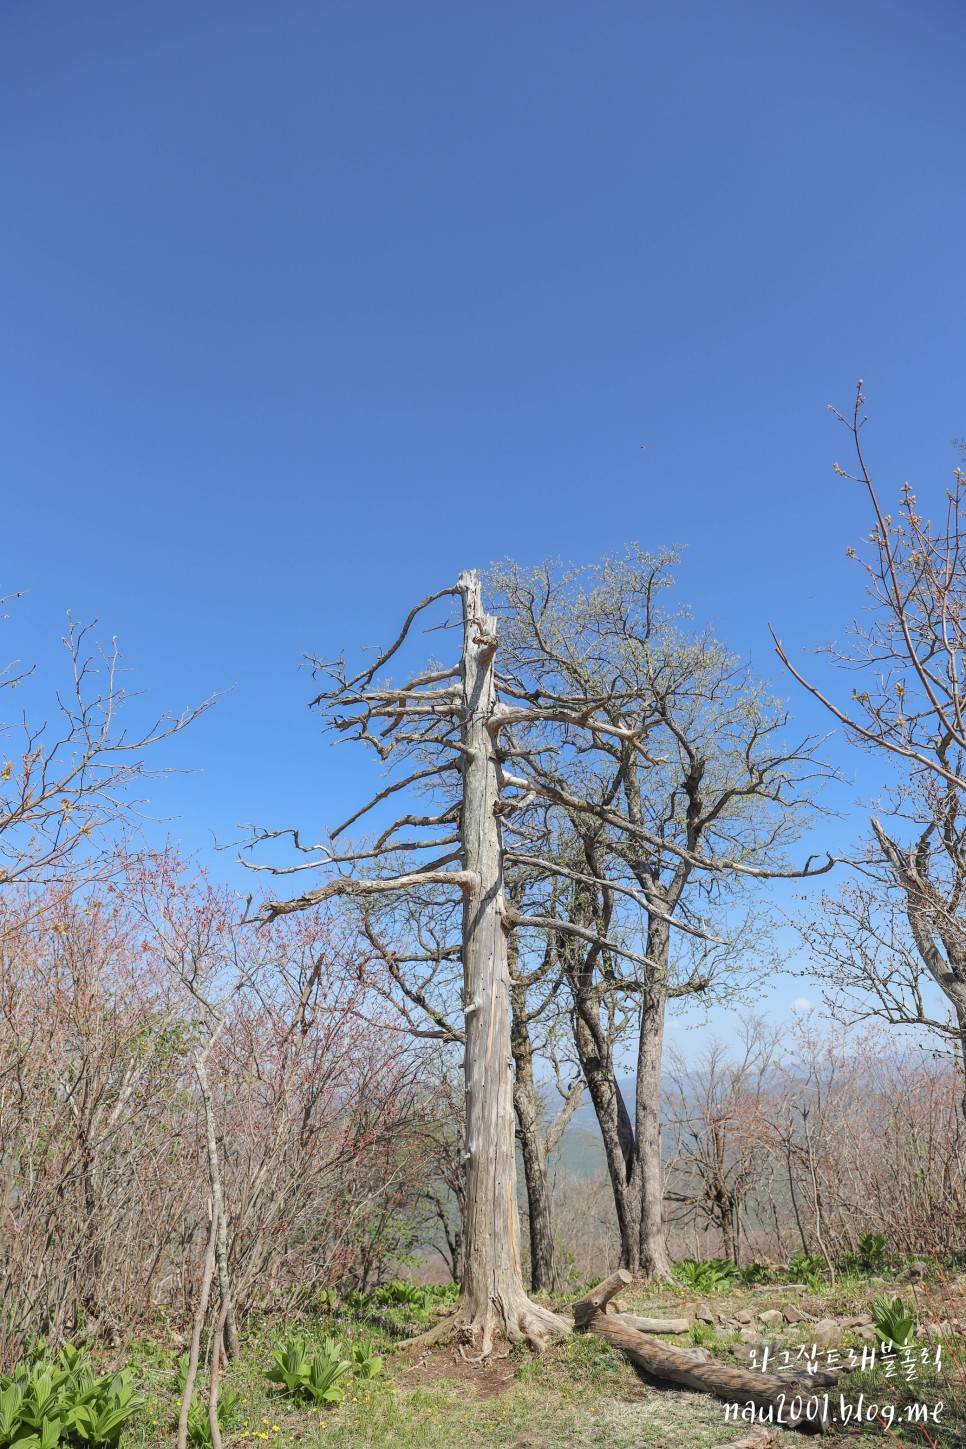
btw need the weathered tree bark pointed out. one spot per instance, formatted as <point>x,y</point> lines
<point>695,1368</point>
<point>617,1133</point>
<point>726,1213</point>
<point>216,1353</point>
<point>594,1045</point>
<point>652,1325</point>
<point>493,1298</point>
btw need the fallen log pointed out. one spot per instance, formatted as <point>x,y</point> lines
<point>653,1325</point>
<point>792,1401</point>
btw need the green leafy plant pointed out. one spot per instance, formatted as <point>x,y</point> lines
<point>229,1413</point>
<point>47,1402</point>
<point>419,1298</point>
<point>316,1378</point>
<point>895,1325</point>
<point>807,1268</point>
<point>365,1363</point>
<point>755,1273</point>
<point>199,1425</point>
<point>396,1306</point>
<point>872,1251</point>
<point>327,1301</point>
<point>710,1276</point>
<point>403,1293</point>
<point>290,1365</point>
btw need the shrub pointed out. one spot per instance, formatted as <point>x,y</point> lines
<point>755,1273</point>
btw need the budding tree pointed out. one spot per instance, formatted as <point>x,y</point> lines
<point>896,934</point>
<point>717,1121</point>
<point>660,827</point>
<point>65,782</point>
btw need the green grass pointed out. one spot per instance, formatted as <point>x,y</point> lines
<point>579,1392</point>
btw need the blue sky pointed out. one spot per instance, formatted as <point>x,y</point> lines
<point>307,306</point>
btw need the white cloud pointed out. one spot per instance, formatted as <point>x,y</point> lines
<point>801,1003</point>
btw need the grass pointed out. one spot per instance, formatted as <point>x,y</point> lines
<point>579,1392</point>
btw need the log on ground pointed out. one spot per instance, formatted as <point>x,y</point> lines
<point>793,1401</point>
<point>653,1325</point>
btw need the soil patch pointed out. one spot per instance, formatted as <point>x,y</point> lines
<point>492,1376</point>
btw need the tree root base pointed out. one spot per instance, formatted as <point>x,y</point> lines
<point>521,1322</point>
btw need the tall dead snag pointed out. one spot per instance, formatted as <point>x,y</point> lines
<point>439,714</point>
<point>794,1398</point>
<point>492,1284</point>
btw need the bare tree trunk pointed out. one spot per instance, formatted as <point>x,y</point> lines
<point>653,1255</point>
<point>543,1266</point>
<point>726,1214</point>
<point>197,1325</point>
<point>218,1201</point>
<point>617,1134</point>
<point>595,1055</point>
<point>493,1296</point>
<point>214,1373</point>
<point>696,1368</point>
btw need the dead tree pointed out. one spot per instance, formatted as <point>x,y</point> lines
<point>453,728</point>
<point>440,716</point>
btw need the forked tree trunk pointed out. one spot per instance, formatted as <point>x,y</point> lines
<point>632,1149</point>
<point>493,1298</point>
<point>218,1205</point>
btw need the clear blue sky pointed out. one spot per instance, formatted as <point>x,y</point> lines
<point>307,306</point>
